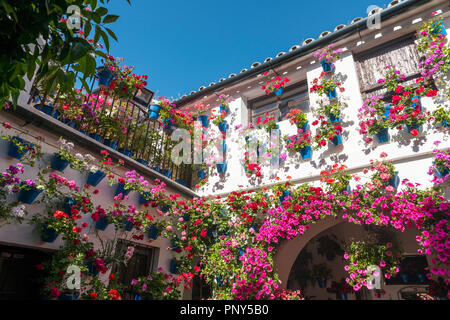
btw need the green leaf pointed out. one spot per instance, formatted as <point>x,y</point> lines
<point>110,18</point>
<point>87,29</point>
<point>101,11</point>
<point>105,39</point>
<point>97,34</point>
<point>111,33</point>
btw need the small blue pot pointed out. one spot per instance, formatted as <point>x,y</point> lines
<point>204,119</point>
<point>421,277</point>
<point>137,297</point>
<point>96,137</point>
<point>105,76</point>
<point>442,173</point>
<point>383,135</point>
<point>173,266</point>
<point>226,109</point>
<point>92,269</point>
<point>404,277</point>
<point>174,246</point>
<point>47,109</point>
<point>286,193</point>
<point>102,223</point>
<point>48,234</point>
<point>157,169</point>
<point>332,94</point>
<point>74,296</point>
<point>305,126</point>
<point>394,181</point>
<point>201,174</point>
<point>186,218</point>
<point>142,199</point>
<point>56,114</point>
<point>141,161</point>
<point>181,181</point>
<point>344,296</point>
<point>413,106</point>
<point>444,124</point>
<point>241,251</point>
<point>112,144</point>
<point>28,196</point>
<point>95,178</point>
<point>333,118</point>
<point>13,150</point>
<point>168,125</point>
<point>165,208</point>
<point>67,205</point>
<point>126,152</point>
<point>387,110</point>
<point>223,127</point>
<point>127,225</point>
<point>221,167</point>
<point>58,163</point>
<point>152,233</point>
<point>121,189</point>
<point>306,153</point>
<point>322,283</point>
<point>337,141</point>
<point>326,66</point>
<point>438,28</point>
<point>154,111</point>
<point>279,92</point>
<point>416,126</point>
<point>167,173</point>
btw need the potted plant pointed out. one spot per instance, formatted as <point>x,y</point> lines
<point>374,119</point>
<point>220,122</point>
<point>331,110</point>
<point>298,118</point>
<point>327,87</point>
<point>341,289</point>
<point>300,142</point>
<point>268,123</point>
<point>224,103</point>
<point>29,191</point>
<point>336,180</point>
<point>329,247</point>
<point>441,117</point>
<point>327,131</point>
<point>321,273</point>
<point>18,147</point>
<point>274,84</point>
<point>439,289</point>
<point>327,57</point>
<point>384,173</point>
<point>442,163</point>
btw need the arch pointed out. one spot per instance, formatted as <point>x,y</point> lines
<point>289,250</point>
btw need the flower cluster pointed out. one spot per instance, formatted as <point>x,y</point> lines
<point>274,84</point>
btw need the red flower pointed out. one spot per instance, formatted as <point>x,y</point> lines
<point>431,93</point>
<point>203,233</point>
<point>414,132</point>
<point>396,99</point>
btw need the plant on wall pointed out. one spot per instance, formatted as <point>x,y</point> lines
<point>274,84</point>
<point>336,180</point>
<point>327,131</point>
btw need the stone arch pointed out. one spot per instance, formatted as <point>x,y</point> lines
<point>289,250</point>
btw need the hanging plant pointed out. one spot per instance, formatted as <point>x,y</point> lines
<point>274,84</point>
<point>327,131</point>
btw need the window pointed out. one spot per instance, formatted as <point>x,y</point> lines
<point>293,98</point>
<point>370,65</point>
<point>412,271</point>
<point>143,262</point>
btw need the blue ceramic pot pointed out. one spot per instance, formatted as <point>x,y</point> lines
<point>442,173</point>
<point>383,135</point>
<point>154,111</point>
<point>241,251</point>
<point>48,234</point>
<point>226,109</point>
<point>168,125</point>
<point>181,181</point>
<point>438,28</point>
<point>223,127</point>
<point>105,76</point>
<point>306,153</point>
<point>394,181</point>
<point>126,152</point>
<point>56,114</point>
<point>279,92</point>
<point>348,188</point>
<point>67,205</point>
<point>14,151</point>
<point>121,189</point>
<point>333,118</point>
<point>28,196</point>
<point>173,244</point>
<point>305,126</point>
<point>326,66</point>
<point>286,193</point>
<point>58,163</point>
<point>157,169</point>
<point>137,297</point>
<point>173,266</point>
<point>92,269</point>
<point>221,167</point>
<point>152,233</point>
<point>142,198</point>
<point>141,161</point>
<point>167,173</point>
<point>416,126</point>
<point>127,225</point>
<point>332,94</point>
<point>387,110</point>
<point>344,296</point>
<point>322,283</point>
<point>164,208</point>
<point>204,119</point>
<point>112,144</point>
<point>74,296</point>
<point>404,277</point>
<point>94,178</point>
<point>337,141</point>
<point>414,104</point>
<point>102,223</point>
<point>186,218</point>
<point>47,109</point>
<point>201,174</point>
<point>421,277</point>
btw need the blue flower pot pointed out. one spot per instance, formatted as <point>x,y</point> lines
<point>394,181</point>
<point>14,151</point>
<point>67,205</point>
<point>421,277</point>
<point>58,163</point>
<point>444,124</point>
<point>221,167</point>
<point>383,135</point>
<point>126,152</point>
<point>173,244</point>
<point>157,169</point>
<point>186,218</point>
<point>28,196</point>
<point>47,109</point>
<point>387,110</point>
<point>223,127</point>
<point>92,269</point>
<point>305,126</point>
<point>127,225</point>
<point>404,277</point>
<point>442,173</point>
<point>348,188</point>
<point>286,193</point>
<point>152,233</point>
<point>112,144</point>
<point>74,296</point>
<point>56,114</point>
<point>94,178</point>
<point>333,118</point>
<point>204,119</point>
<point>173,266</point>
<point>121,189</point>
<point>226,109</point>
<point>322,283</point>
<point>141,161</point>
<point>168,125</point>
<point>137,297</point>
<point>337,141</point>
<point>306,153</point>
<point>167,173</point>
<point>332,94</point>
<point>48,234</point>
<point>279,92</point>
<point>96,137</point>
<point>326,66</point>
<point>343,296</point>
<point>414,105</point>
<point>438,28</point>
<point>102,223</point>
<point>142,198</point>
<point>416,126</point>
<point>164,208</point>
<point>224,146</point>
<point>219,280</point>
<point>105,76</point>
<point>181,181</point>
<point>201,174</point>
<point>241,251</point>
<point>154,111</point>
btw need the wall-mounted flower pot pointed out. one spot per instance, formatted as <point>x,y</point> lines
<point>404,277</point>
<point>241,251</point>
<point>395,180</point>
<point>142,198</point>
<point>164,208</point>
<point>221,168</point>
<point>167,173</point>
<point>152,232</point>
<point>173,244</point>
<point>48,234</point>
<point>333,118</point>
<point>337,141</point>
<point>306,153</point>
<point>137,297</point>
<point>121,189</point>
<point>127,225</point>
<point>154,111</point>
<point>181,181</point>
<point>226,109</point>
<point>28,196</point>
<point>96,137</point>
<point>14,151</point>
<point>45,108</point>
<point>326,66</point>
<point>343,296</point>
<point>67,205</point>
<point>105,76</point>
<point>141,161</point>
<point>415,126</point>
<point>74,296</point>
<point>94,178</point>
<point>421,277</point>
<point>56,114</point>
<point>387,111</point>
<point>157,169</point>
<point>442,172</point>
<point>438,28</point>
<point>332,94</point>
<point>348,188</point>
<point>168,125</point>
<point>414,104</point>
<point>112,144</point>
<point>126,152</point>
<point>201,174</point>
<point>322,283</point>
<point>204,119</point>
<point>305,126</point>
<point>186,218</point>
<point>286,193</point>
<point>383,135</point>
<point>92,269</point>
<point>102,223</point>
<point>173,266</point>
<point>58,163</point>
<point>223,127</point>
<point>279,92</point>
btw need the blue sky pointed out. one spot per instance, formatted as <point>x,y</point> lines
<point>183,45</point>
